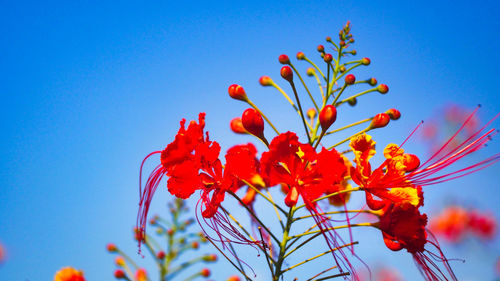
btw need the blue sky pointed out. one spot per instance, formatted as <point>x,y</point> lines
<point>89,88</point>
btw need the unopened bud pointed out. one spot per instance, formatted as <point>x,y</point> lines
<point>383,89</point>
<point>266,81</point>
<point>352,102</point>
<point>252,122</point>
<point>321,48</point>
<point>195,245</point>
<point>354,52</point>
<point>237,92</point>
<point>287,73</point>
<point>328,39</point>
<point>292,197</point>
<point>327,116</point>
<point>111,248</point>
<point>372,81</point>
<point>120,261</point>
<point>342,43</point>
<point>380,120</point>
<point>350,79</point>
<point>237,126</point>
<point>351,40</point>
<point>393,113</point>
<point>342,69</point>
<point>366,61</point>
<point>311,113</point>
<point>284,59</point>
<point>310,71</point>
<point>119,274</point>
<point>233,278</point>
<point>301,56</point>
<point>161,255</point>
<point>210,258</point>
<point>328,58</point>
<point>205,272</point>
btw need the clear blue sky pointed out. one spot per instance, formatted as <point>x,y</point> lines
<point>89,88</point>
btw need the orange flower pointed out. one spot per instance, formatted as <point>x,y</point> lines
<point>69,274</point>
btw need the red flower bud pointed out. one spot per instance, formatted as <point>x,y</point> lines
<point>342,43</point>
<point>342,69</point>
<point>372,81</point>
<point>327,116</point>
<point>237,92</point>
<point>321,48</point>
<point>328,58</point>
<point>328,39</point>
<point>266,81</point>
<point>237,126</point>
<point>350,79</point>
<point>301,56</point>
<point>393,113</point>
<point>111,248</point>
<point>205,272</point>
<point>287,73</point>
<point>160,255</point>
<point>284,59</point>
<point>195,245</point>
<point>366,61</point>
<point>210,258</point>
<point>253,122</point>
<point>292,197</point>
<point>351,40</point>
<point>354,52</point>
<point>380,120</point>
<point>119,274</point>
<point>233,278</point>
<point>382,88</point>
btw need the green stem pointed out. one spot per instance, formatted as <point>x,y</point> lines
<point>305,86</point>
<point>355,96</point>
<point>301,111</point>
<point>350,125</point>
<point>315,66</point>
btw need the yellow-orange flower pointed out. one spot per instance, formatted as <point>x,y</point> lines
<point>69,274</point>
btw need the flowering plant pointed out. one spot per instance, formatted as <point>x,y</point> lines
<point>309,173</point>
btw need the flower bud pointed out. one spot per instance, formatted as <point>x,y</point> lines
<point>328,58</point>
<point>292,197</point>
<point>351,40</point>
<point>382,88</point>
<point>252,122</point>
<point>342,69</point>
<point>210,258</point>
<point>205,272</point>
<point>311,113</point>
<point>372,81</point>
<point>233,278</point>
<point>284,59</point>
<point>354,52</point>
<point>327,116</point>
<point>195,245</point>
<point>380,120</point>
<point>111,248</point>
<point>365,61</point>
<point>266,81</point>
<point>328,39</point>
<point>120,261</point>
<point>141,274</point>
<point>321,48</point>
<point>350,79</point>
<point>310,71</point>
<point>170,232</point>
<point>393,113</point>
<point>237,92</point>
<point>237,126</point>
<point>287,73</point>
<point>342,43</point>
<point>119,274</point>
<point>301,56</point>
<point>160,255</point>
<point>352,102</point>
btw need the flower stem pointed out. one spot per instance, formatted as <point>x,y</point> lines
<point>263,115</point>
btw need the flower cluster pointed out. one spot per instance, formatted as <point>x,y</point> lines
<point>69,274</point>
<point>179,241</point>
<point>310,171</point>
<point>455,223</point>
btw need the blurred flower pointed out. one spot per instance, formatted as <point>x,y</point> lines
<point>141,274</point>
<point>69,274</point>
<point>3,254</point>
<point>455,223</point>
